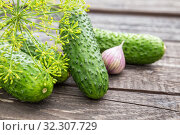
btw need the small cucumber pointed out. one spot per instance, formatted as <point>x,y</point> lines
<point>64,76</point>
<point>86,65</point>
<point>30,83</point>
<point>138,48</point>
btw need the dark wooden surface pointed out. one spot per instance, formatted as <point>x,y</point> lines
<point>157,7</point>
<point>139,92</point>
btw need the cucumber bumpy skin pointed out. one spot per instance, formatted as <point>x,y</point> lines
<point>34,84</point>
<point>86,65</point>
<point>32,50</point>
<point>138,49</point>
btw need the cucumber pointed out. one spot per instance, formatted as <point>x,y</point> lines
<point>64,76</point>
<point>139,49</point>
<point>31,50</point>
<point>86,65</point>
<point>32,83</point>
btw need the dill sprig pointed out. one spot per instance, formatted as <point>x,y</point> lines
<point>28,17</point>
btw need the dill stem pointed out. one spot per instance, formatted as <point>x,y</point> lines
<point>11,57</point>
<point>15,35</point>
<point>17,6</point>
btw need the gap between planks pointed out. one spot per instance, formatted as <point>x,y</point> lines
<point>131,12</point>
<point>132,90</point>
<point>160,7</point>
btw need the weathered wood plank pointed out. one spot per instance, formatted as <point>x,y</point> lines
<point>69,103</point>
<point>13,109</point>
<point>151,78</point>
<point>143,99</point>
<point>152,6</point>
<point>164,27</point>
<point>155,79</point>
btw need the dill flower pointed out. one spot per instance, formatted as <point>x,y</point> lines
<point>28,17</point>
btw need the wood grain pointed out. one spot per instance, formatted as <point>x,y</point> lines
<point>144,6</point>
<point>143,99</point>
<point>172,50</point>
<point>70,103</point>
<point>145,79</point>
<point>166,28</point>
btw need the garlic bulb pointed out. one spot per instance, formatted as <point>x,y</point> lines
<point>114,59</point>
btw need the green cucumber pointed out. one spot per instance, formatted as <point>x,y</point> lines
<point>138,49</point>
<point>32,83</point>
<point>31,50</point>
<point>86,65</point>
<point>64,76</point>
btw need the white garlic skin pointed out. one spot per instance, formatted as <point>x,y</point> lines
<point>114,59</point>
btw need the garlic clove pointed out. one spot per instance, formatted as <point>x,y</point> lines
<point>114,59</point>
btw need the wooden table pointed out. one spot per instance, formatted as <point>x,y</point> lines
<point>140,92</point>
